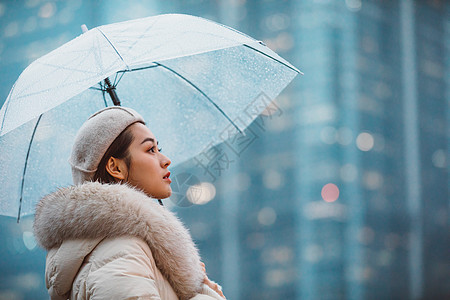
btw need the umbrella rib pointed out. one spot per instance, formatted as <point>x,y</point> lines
<point>245,45</point>
<point>139,69</point>
<point>104,98</point>
<point>201,92</point>
<point>120,78</point>
<point>113,47</point>
<point>8,101</point>
<point>94,88</point>
<point>25,167</point>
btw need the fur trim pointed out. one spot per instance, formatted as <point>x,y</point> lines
<point>95,210</point>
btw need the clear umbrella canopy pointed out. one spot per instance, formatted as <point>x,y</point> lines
<point>189,78</point>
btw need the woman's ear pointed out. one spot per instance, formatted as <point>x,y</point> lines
<point>116,168</point>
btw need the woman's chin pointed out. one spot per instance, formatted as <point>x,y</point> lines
<point>165,194</point>
<point>169,193</point>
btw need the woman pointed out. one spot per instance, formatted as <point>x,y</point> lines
<point>106,236</point>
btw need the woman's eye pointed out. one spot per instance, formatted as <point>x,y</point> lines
<point>152,149</point>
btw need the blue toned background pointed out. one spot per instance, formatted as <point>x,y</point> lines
<point>344,191</point>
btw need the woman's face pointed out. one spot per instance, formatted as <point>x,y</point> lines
<point>148,169</point>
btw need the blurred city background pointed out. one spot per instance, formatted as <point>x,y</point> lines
<point>343,193</point>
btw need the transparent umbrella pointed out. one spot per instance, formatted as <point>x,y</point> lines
<point>189,78</point>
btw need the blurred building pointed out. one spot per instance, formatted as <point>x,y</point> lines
<point>342,193</point>
<point>355,203</point>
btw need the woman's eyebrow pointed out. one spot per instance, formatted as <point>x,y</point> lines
<point>149,139</point>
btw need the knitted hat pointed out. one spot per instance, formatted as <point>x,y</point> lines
<point>94,138</point>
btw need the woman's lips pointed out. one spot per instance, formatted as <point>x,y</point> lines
<point>166,177</point>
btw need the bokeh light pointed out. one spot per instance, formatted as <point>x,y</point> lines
<point>313,253</point>
<point>11,29</point>
<point>47,10</point>
<point>201,193</point>
<point>278,255</point>
<point>277,277</point>
<point>200,230</point>
<point>438,158</point>
<point>277,22</point>
<point>2,9</point>
<point>267,216</point>
<point>354,5</point>
<point>272,179</point>
<point>365,141</point>
<point>330,192</point>
<point>373,180</point>
<point>29,240</point>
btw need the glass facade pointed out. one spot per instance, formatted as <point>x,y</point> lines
<point>343,190</point>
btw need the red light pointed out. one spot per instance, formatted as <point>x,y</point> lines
<point>330,192</point>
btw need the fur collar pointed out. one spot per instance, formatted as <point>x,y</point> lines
<point>93,210</point>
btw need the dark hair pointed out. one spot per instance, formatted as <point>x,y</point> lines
<point>118,149</point>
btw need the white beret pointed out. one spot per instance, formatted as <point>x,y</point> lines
<point>94,138</point>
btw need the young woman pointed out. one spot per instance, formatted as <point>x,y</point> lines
<point>106,236</point>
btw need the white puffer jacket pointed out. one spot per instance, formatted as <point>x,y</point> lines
<point>114,242</point>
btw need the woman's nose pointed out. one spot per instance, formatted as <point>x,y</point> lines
<point>165,161</point>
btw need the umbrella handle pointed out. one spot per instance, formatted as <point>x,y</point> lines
<point>112,92</point>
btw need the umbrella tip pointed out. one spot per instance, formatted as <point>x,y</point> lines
<point>84,28</point>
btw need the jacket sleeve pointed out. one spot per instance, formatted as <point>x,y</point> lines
<point>127,272</point>
<point>207,294</point>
